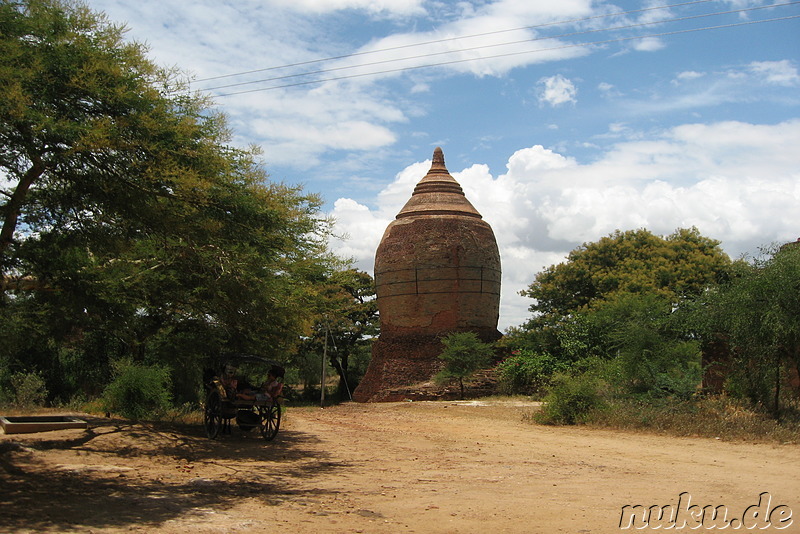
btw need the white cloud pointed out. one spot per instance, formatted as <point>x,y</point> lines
<point>687,76</point>
<point>362,231</point>
<point>648,44</point>
<point>762,81</point>
<point>391,7</point>
<point>488,39</point>
<point>298,125</point>
<point>736,182</point>
<point>556,90</point>
<point>690,75</point>
<point>777,72</point>
<point>743,4</point>
<point>347,134</point>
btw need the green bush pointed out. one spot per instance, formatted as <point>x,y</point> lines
<point>527,373</point>
<point>29,388</point>
<point>572,399</point>
<point>138,391</point>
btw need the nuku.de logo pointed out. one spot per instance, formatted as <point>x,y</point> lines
<point>685,515</point>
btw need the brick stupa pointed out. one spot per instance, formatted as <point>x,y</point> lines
<point>437,271</point>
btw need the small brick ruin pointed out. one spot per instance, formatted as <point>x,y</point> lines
<point>437,271</point>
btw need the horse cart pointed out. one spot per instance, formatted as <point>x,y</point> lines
<point>232,398</point>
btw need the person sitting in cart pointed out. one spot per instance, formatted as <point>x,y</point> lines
<point>235,386</point>
<point>270,390</point>
<point>230,380</point>
<point>239,389</point>
<point>273,387</point>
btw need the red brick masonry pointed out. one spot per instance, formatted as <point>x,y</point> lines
<point>437,271</point>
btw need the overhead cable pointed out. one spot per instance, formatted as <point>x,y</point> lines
<point>447,39</point>
<point>539,50</point>
<point>481,47</point>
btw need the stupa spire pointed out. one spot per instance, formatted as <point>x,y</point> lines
<point>438,193</point>
<point>438,159</point>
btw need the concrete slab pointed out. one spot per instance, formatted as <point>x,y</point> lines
<point>25,424</point>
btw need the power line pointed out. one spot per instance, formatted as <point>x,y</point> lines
<point>455,61</point>
<point>447,52</point>
<point>444,40</point>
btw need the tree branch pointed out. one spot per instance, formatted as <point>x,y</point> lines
<point>21,283</point>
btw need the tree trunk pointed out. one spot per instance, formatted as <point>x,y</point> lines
<point>14,206</point>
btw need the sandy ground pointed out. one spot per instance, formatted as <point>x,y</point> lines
<point>423,467</point>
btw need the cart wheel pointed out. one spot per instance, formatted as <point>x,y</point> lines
<point>212,415</point>
<point>270,421</point>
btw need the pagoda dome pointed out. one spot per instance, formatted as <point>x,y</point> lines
<point>437,268</point>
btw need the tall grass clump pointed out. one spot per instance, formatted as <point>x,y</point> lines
<point>718,416</point>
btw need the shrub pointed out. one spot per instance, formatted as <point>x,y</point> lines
<point>527,373</point>
<point>138,391</point>
<point>29,389</point>
<point>667,369</point>
<point>572,399</point>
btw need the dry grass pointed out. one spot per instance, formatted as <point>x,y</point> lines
<point>714,417</point>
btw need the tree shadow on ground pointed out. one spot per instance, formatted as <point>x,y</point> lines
<point>102,490</point>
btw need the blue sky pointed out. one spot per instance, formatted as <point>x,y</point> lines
<point>563,121</point>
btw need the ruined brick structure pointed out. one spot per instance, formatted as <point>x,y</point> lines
<point>437,271</point>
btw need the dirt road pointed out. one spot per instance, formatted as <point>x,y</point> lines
<point>421,467</point>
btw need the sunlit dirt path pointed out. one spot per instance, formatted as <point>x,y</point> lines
<point>423,467</point>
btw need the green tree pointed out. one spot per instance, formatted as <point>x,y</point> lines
<point>758,313</point>
<point>137,391</point>
<point>463,354</point>
<point>674,268</point>
<point>347,315</point>
<point>527,373</point>
<point>614,314</point>
<point>652,352</point>
<point>677,266</point>
<point>139,230</point>
<point>29,390</point>
<point>84,124</point>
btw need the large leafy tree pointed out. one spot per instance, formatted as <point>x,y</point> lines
<point>615,298</point>
<point>635,261</point>
<point>138,228</point>
<point>84,126</point>
<point>653,352</point>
